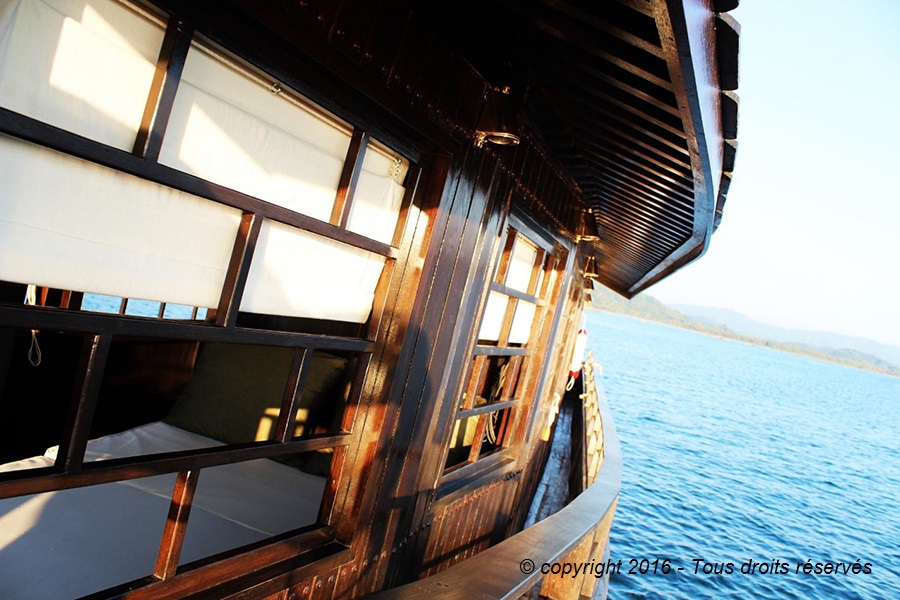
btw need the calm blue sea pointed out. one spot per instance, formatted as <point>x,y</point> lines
<point>734,453</point>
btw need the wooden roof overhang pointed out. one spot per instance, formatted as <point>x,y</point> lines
<point>634,99</point>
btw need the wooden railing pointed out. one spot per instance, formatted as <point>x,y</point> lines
<point>577,535</point>
<point>594,446</point>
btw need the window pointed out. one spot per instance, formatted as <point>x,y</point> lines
<point>188,322</point>
<point>500,377</point>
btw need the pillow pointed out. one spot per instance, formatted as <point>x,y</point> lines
<point>235,391</point>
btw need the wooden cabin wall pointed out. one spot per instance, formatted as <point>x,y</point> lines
<point>401,528</point>
<point>382,62</point>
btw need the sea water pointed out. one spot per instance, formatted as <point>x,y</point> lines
<point>742,462</point>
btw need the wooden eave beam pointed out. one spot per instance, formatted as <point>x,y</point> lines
<point>688,36</point>
<point>641,197</point>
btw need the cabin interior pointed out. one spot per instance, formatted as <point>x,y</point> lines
<point>289,290</point>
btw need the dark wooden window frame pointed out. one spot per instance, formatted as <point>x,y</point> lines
<point>552,260</point>
<point>70,470</point>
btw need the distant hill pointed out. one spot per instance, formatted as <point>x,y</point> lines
<point>859,353</point>
<point>743,324</point>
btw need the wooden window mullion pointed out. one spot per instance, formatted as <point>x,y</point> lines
<point>238,270</point>
<point>340,213</point>
<point>508,317</point>
<point>506,255</point>
<point>479,437</point>
<point>476,379</point>
<point>94,352</point>
<point>169,66</point>
<point>380,298</point>
<point>413,179</point>
<point>292,393</point>
<point>536,270</point>
<point>176,524</point>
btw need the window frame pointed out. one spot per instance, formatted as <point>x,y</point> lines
<point>59,309</point>
<point>552,260</point>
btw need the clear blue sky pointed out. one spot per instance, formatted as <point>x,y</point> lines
<point>811,233</point>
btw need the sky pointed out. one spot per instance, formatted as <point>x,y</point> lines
<point>810,237</point>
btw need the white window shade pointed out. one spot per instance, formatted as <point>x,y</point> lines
<point>379,194</point>
<point>82,65</point>
<point>520,331</point>
<point>521,265</point>
<point>300,274</point>
<point>227,126</point>
<point>70,224</point>
<point>492,320</point>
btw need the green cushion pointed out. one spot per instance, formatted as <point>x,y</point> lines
<point>235,391</point>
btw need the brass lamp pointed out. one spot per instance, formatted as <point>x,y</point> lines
<point>497,123</point>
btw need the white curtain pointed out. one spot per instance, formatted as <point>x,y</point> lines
<point>521,264</point>
<point>71,224</point>
<point>520,331</point>
<point>300,274</point>
<point>379,194</point>
<point>492,320</point>
<point>230,128</point>
<point>82,65</point>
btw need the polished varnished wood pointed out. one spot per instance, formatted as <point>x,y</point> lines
<point>95,351</point>
<point>176,524</point>
<point>175,46</point>
<point>238,270</point>
<point>579,532</point>
<point>619,140</point>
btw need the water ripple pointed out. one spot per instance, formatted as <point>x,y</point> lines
<point>735,453</point>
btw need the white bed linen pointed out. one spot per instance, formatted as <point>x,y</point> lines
<point>73,542</point>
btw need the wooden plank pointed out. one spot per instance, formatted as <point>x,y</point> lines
<point>257,572</point>
<point>169,66</point>
<point>486,408</point>
<point>36,481</point>
<point>413,190</point>
<point>352,28</point>
<point>499,351</point>
<point>395,514</point>
<point>94,353</point>
<point>385,38</point>
<point>477,373</point>
<point>603,25</point>
<point>284,429</point>
<point>238,270</point>
<point>508,291</point>
<point>378,425</point>
<point>176,524</point>
<point>546,541</point>
<point>63,320</point>
<point>349,178</point>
